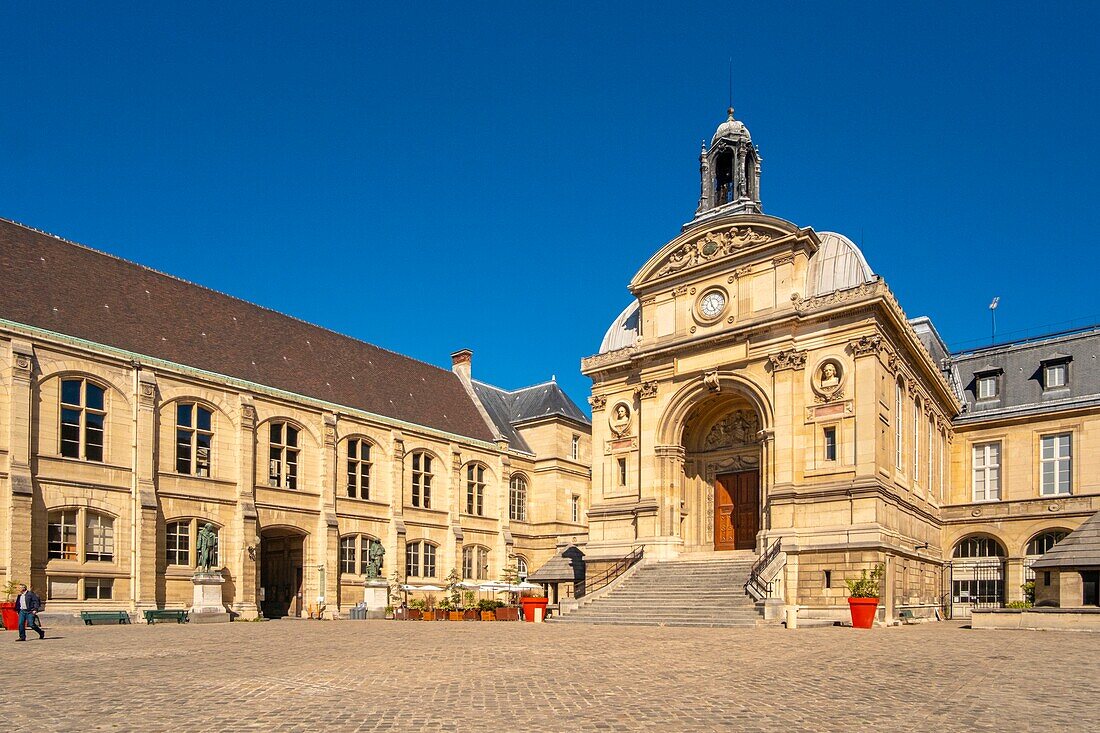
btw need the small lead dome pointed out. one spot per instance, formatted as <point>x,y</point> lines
<point>837,265</point>
<point>623,331</point>
<point>731,129</point>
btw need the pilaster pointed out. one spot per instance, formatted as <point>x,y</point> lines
<point>328,528</point>
<point>245,554</point>
<point>19,492</point>
<point>144,505</point>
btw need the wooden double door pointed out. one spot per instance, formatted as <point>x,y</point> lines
<point>736,510</point>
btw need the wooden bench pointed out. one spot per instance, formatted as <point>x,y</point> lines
<point>177,615</point>
<point>118,617</point>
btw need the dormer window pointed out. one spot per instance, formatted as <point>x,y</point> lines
<point>987,384</point>
<point>1055,372</point>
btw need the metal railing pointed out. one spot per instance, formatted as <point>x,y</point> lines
<point>601,581</point>
<point>756,586</point>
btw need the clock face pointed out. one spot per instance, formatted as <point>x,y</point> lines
<point>712,304</point>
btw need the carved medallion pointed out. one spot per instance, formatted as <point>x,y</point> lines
<point>828,380</point>
<point>620,419</point>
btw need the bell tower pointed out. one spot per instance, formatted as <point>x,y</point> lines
<point>729,173</point>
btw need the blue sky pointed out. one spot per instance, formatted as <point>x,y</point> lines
<point>430,177</point>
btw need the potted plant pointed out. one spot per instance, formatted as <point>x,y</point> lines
<point>470,611</point>
<point>429,608</point>
<point>389,613</point>
<point>487,607</point>
<point>863,597</point>
<point>416,609</point>
<point>532,599</point>
<point>452,598</point>
<point>8,613</point>
<point>447,610</point>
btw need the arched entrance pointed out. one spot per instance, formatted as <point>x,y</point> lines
<point>723,479</point>
<point>281,563</point>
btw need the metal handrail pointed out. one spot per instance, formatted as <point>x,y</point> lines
<point>763,589</point>
<point>621,566</point>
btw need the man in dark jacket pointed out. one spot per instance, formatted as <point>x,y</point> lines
<point>28,604</point>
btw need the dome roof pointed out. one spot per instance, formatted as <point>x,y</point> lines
<point>623,331</point>
<point>731,129</point>
<point>837,265</point>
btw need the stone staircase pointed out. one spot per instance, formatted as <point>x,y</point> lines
<point>694,590</point>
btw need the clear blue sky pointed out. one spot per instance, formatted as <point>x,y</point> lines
<point>429,176</point>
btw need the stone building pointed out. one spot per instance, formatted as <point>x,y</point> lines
<point>136,407</point>
<point>765,392</point>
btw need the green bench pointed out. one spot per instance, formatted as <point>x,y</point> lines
<point>177,615</point>
<point>107,617</point>
<point>906,616</point>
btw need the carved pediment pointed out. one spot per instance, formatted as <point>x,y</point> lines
<point>713,245</point>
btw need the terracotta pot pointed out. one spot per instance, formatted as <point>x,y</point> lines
<point>488,616</point>
<point>454,616</point>
<point>863,612</point>
<point>529,606</point>
<point>9,615</point>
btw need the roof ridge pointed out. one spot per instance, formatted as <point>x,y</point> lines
<point>219,292</point>
<point>518,389</point>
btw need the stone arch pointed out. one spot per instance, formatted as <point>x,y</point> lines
<point>375,443</point>
<point>85,369</point>
<point>202,397</point>
<point>671,424</point>
<point>1039,533</point>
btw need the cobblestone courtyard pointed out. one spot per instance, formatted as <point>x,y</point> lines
<point>376,675</point>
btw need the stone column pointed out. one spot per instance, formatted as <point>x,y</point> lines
<point>144,505</point>
<point>19,492</point>
<point>787,369</point>
<point>670,475</point>
<point>397,504</point>
<point>245,554</point>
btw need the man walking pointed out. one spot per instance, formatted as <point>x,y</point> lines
<point>28,604</point>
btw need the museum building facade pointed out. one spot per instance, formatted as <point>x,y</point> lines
<point>765,392</point>
<point>136,407</point>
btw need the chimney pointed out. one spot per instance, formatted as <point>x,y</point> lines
<point>461,362</point>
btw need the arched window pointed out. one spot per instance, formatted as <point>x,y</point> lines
<point>64,540</point>
<point>422,480</point>
<point>355,553</point>
<point>283,448</point>
<point>475,489</point>
<point>475,563</point>
<point>521,568</point>
<point>181,542</point>
<point>194,437</point>
<point>517,499</point>
<point>420,559</point>
<point>916,441</point>
<point>974,547</point>
<point>83,416</point>
<point>359,464</point>
<point>1040,543</point>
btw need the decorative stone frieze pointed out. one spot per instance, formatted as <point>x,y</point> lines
<point>783,259</point>
<point>646,390</point>
<point>788,359</point>
<point>866,345</point>
<point>597,402</point>
<point>711,246</point>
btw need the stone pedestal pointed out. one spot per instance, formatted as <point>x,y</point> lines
<point>207,606</point>
<point>376,596</point>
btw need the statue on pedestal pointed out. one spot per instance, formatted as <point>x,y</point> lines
<point>375,555</point>
<point>207,547</point>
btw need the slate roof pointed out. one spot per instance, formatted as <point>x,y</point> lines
<point>566,566</point>
<point>509,409</point>
<point>1079,548</point>
<point>60,286</point>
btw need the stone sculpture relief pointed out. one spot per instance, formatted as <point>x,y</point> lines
<point>735,429</point>
<point>619,421</point>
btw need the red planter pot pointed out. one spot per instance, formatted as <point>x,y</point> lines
<point>863,612</point>
<point>529,606</point>
<point>10,615</point>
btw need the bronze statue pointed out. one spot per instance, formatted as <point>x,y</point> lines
<point>375,553</point>
<point>207,547</point>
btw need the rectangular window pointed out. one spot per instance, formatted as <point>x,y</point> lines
<point>61,543</point>
<point>412,559</point>
<point>1055,375</point>
<point>576,450</point>
<point>830,443</point>
<point>364,554</point>
<point>99,538</point>
<point>468,563</point>
<point>987,387</point>
<point>899,456</point>
<point>1046,577</point>
<point>62,589</point>
<point>931,454</point>
<point>828,578</point>
<point>347,554</point>
<point>429,560</point>
<point>1055,462</point>
<point>98,589</point>
<point>178,543</point>
<point>576,509</point>
<point>987,472</point>
<point>622,472</point>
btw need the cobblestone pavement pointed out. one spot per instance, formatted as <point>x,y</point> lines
<point>378,675</point>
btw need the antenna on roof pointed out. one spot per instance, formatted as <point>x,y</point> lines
<point>993,316</point>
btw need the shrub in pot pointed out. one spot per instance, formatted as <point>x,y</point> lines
<point>417,608</point>
<point>487,607</point>
<point>863,597</point>
<point>9,617</point>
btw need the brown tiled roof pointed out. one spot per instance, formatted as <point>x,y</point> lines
<point>68,288</point>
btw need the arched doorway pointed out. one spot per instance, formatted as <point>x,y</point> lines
<point>722,466</point>
<point>281,563</point>
<point>977,575</point>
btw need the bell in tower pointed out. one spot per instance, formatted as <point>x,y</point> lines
<point>729,172</point>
